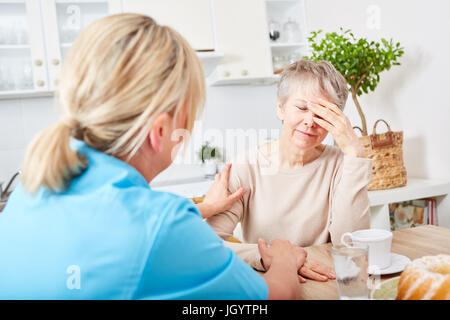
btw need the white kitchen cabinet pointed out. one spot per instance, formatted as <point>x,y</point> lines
<point>192,19</point>
<point>63,22</point>
<point>291,45</point>
<point>22,52</point>
<point>35,36</point>
<point>241,34</point>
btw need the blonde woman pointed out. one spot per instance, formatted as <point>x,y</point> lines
<point>298,188</point>
<point>84,223</point>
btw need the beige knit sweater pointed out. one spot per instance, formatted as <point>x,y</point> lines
<point>307,205</point>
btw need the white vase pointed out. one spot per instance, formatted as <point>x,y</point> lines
<point>210,167</point>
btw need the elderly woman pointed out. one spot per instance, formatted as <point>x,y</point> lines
<point>84,223</point>
<point>300,189</point>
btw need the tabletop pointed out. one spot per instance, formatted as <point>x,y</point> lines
<point>413,243</point>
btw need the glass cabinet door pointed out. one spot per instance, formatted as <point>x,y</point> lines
<point>21,47</point>
<point>73,17</point>
<point>63,22</point>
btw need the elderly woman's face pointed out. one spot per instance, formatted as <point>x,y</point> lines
<point>298,124</point>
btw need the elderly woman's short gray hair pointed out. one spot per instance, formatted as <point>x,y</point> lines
<point>317,78</point>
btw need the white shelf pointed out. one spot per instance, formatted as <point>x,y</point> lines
<point>82,1</point>
<point>178,173</point>
<point>416,188</point>
<point>288,44</point>
<point>206,55</point>
<point>187,180</point>
<point>212,81</point>
<point>14,46</point>
<point>24,94</point>
<point>188,189</point>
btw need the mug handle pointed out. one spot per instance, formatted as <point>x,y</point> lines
<point>347,234</point>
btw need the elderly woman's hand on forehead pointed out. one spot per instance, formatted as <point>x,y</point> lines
<point>330,117</point>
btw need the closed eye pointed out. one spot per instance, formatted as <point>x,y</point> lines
<point>303,108</point>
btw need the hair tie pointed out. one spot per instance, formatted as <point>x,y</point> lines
<point>71,123</point>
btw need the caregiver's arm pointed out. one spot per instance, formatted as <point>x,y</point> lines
<point>200,267</point>
<point>218,198</point>
<point>224,223</point>
<point>281,278</point>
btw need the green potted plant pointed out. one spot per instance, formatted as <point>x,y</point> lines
<point>209,156</point>
<point>357,59</point>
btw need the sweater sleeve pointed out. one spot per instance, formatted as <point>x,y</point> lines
<point>350,207</point>
<point>224,223</point>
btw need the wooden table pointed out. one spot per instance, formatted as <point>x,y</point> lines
<point>413,243</point>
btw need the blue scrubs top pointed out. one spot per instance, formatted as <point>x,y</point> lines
<point>109,236</point>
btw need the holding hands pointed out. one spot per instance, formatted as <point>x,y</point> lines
<point>331,118</point>
<point>281,250</point>
<point>286,251</point>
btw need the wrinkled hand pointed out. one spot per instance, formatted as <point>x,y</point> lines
<point>218,198</point>
<point>331,118</point>
<point>315,270</point>
<point>283,251</point>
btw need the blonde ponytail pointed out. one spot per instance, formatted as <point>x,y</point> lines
<point>50,161</point>
<point>120,73</point>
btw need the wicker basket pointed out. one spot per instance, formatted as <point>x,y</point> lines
<point>386,150</point>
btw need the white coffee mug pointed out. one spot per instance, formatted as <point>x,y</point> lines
<point>379,242</point>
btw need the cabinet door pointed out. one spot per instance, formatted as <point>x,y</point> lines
<point>192,19</point>
<point>22,54</point>
<point>241,34</point>
<point>63,22</point>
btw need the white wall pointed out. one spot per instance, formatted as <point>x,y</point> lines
<point>20,120</point>
<point>412,97</point>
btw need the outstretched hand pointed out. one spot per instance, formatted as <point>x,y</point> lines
<point>315,270</point>
<point>219,198</point>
